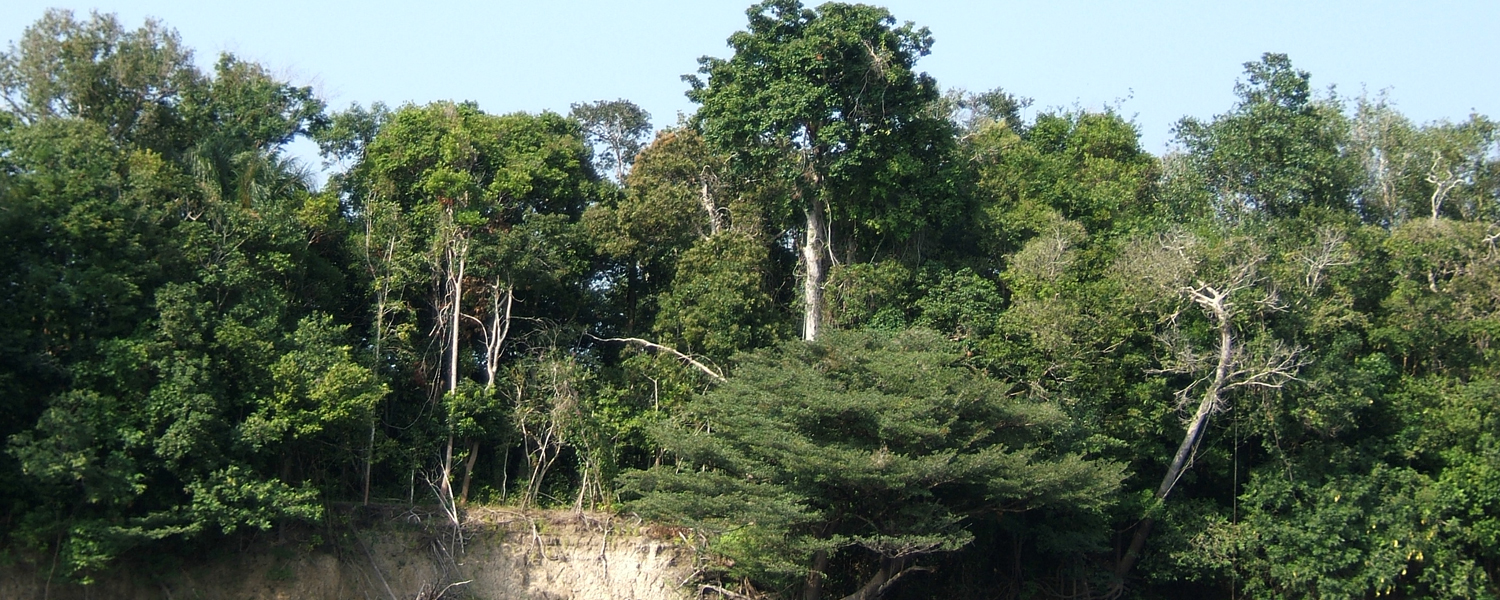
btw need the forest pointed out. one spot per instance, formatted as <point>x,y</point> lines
<point>857,335</point>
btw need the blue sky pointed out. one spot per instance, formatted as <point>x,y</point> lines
<point>1155,61</point>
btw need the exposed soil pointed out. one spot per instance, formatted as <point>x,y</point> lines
<point>400,553</point>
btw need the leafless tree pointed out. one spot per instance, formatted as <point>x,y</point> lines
<point>1234,291</point>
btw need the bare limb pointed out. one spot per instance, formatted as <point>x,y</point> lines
<point>1442,183</point>
<point>1330,252</point>
<point>1232,366</point>
<point>707,181</point>
<point>723,592</point>
<point>717,376</point>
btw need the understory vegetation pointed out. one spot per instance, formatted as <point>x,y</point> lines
<point>863,336</point>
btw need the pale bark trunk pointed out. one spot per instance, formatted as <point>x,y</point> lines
<point>494,341</point>
<point>815,260</point>
<point>457,257</point>
<point>457,260</point>
<point>369,458</point>
<point>715,222</point>
<point>1442,184</point>
<point>496,333</point>
<point>1206,407</point>
<point>382,301</point>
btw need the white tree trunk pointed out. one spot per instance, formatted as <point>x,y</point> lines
<point>457,259</point>
<point>815,261</point>
<point>705,195</point>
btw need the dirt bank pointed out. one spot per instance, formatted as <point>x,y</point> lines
<point>403,554</point>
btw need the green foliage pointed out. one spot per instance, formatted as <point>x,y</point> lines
<point>1083,167</point>
<point>865,444</point>
<point>618,126</point>
<point>1278,150</point>
<point>316,388</point>
<point>96,70</point>
<point>872,294</point>
<point>660,213</point>
<point>718,303</point>
<point>828,100</point>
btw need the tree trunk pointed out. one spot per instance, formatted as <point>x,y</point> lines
<point>463,494</point>
<point>382,297</point>
<point>813,589</point>
<point>815,260</point>
<point>456,271</point>
<point>705,195</point>
<point>1216,305</point>
<point>880,582</point>
<point>495,334</point>
<point>457,258</point>
<point>369,458</point>
<point>504,474</point>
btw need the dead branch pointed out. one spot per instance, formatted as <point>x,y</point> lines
<point>1441,183</point>
<point>1330,252</point>
<point>1232,366</point>
<point>707,182</point>
<point>722,592</point>
<point>717,376</point>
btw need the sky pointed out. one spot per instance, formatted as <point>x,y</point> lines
<point>1155,62</point>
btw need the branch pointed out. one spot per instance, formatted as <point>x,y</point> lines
<point>1273,371</point>
<point>1330,253</point>
<point>885,587</point>
<point>655,346</point>
<point>723,592</point>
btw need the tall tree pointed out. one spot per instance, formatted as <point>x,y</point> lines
<point>1278,150</point>
<point>130,82</point>
<point>1224,283</point>
<point>493,203</point>
<point>828,101</point>
<point>619,126</point>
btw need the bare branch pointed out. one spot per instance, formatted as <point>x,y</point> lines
<point>885,587</point>
<point>1442,183</point>
<point>717,376</point>
<point>1330,252</point>
<point>723,592</point>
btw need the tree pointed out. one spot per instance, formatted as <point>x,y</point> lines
<point>1278,150</point>
<point>619,126</point>
<point>1086,167</point>
<point>1438,169</point>
<point>182,288</point>
<point>863,450</point>
<point>491,204</point>
<point>1225,284</point>
<point>1454,158</point>
<point>671,199</point>
<point>827,101</point>
<point>128,81</point>
<point>1381,139</point>
<point>718,303</point>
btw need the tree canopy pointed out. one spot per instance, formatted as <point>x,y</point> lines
<point>849,333</point>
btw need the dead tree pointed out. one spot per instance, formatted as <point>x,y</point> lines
<point>1231,364</point>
